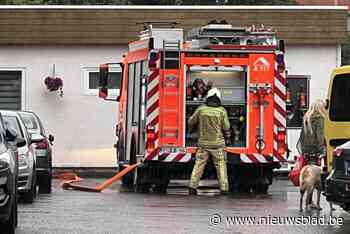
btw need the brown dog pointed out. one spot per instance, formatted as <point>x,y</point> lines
<point>310,179</point>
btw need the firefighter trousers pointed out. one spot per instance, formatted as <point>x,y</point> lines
<point>219,160</point>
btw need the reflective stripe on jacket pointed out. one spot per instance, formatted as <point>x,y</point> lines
<point>211,123</point>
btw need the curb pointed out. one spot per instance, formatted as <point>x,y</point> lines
<point>88,172</point>
<point>281,174</point>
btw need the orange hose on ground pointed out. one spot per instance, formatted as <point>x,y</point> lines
<point>69,178</point>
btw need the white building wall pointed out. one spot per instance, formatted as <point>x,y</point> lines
<point>83,125</point>
<point>317,62</point>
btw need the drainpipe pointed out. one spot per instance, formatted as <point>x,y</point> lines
<point>338,55</point>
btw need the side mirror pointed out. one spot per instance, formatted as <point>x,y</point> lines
<point>281,45</point>
<point>104,74</point>
<point>11,134</point>
<point>20,142</point>
<point>36,138</point>
<point>51,138</point>
<point>327,104</point>
<point>103,81</point>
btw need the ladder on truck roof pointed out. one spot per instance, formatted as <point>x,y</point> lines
<point>171,61</point>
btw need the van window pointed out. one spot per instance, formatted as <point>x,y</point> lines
<point>340,96</point>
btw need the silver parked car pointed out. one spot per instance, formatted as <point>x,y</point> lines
<point>26,157</point>
<point>41,143</point>
<point>8,178</point>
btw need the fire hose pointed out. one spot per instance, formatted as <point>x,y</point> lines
<point>69,180</point>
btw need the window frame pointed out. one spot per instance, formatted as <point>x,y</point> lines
<point>94,92</point>
<point>24,93</point>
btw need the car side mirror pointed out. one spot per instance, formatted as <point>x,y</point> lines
<point>20,142</point>
<point>36,138</point>
<point>51,138</point>
<point>327,104</point>
<point>11,134</point>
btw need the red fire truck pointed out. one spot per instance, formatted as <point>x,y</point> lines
<point>165,78</point>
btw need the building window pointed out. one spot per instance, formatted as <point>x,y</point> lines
<point>91,76</point>
<point>297,103</point>
<point>11,90</point>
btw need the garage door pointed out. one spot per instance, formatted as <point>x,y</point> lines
<point>10,90</point>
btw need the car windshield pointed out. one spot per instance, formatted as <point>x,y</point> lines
<point>12,122</point>
<point>340,96</point>
<point>30,122</point>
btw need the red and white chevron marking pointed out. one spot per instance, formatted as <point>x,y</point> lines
<point>152,106</point>
<point>175,157</point>
<point>279,109</point>
<point>255,158</point>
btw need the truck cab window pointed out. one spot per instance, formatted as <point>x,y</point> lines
<point>339,110</point>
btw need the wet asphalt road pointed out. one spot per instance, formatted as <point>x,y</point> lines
<point>117,210</point>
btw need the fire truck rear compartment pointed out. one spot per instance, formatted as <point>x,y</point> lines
<point>231,81</point>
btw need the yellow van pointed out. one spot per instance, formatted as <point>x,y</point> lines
<point>337,121</point>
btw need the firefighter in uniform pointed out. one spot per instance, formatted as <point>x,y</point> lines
<point>213,128</point>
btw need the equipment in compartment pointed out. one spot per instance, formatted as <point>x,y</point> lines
<point>231,81</point>
<point>237,117</point>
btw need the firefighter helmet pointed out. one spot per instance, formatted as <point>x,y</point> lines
<point>214,91</point>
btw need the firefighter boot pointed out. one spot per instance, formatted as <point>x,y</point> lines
<point>224,192</point>
<point>192,191</point>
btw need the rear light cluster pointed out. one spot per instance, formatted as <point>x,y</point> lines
<point>281,141</point>
<point>152,61</point>
<point>151,137</point>
<point>42,145</point>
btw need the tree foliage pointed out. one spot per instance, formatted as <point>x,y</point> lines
<point>64,2</point>
<point>147,2</point>
<point>213,2</point>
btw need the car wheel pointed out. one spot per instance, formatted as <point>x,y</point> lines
<point>28,197</point>
<point>10,224</point>
<point>45,183</point>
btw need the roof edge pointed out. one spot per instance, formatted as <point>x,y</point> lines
<point>163,7</point>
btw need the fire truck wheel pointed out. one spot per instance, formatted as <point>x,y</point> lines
<point>244,188</point>
<point>128,179</point>
<point>141,183</point>
<point>142,188</point>
<point>160,188</point>
<point>260,188</point>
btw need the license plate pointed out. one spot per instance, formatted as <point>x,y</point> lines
<point>172,150</point>
<point>41,153</point>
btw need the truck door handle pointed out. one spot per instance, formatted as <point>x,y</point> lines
<point>134,124</point>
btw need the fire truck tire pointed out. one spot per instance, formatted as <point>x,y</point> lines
<point>128,179</point>
<point>140,185</point>
<point>244,188</point>
<point>142,188</point>
<point>160,188</point>
<point>260,188</point>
